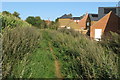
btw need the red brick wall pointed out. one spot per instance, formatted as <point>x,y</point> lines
<point>112,25</point>
<point>110,22</point>
<point>101,24</point>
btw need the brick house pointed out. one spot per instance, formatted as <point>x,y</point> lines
<point>67,21</point>
<point>85,22</point>
<point>80,24</point>
<point>91,25</point>
<point>93,18</point>
<point>109,22</point>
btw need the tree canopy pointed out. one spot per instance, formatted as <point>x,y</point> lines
<point>16,14</point>
<point>36,21</point>
<point>6,13</point>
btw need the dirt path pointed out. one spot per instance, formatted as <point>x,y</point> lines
<point>57,65</point>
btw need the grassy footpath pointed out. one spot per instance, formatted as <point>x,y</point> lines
<point>70,56</point>
<point>39,64</point>
<point>29,52</point>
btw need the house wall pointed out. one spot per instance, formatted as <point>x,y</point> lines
<point>93,22</point>
<point>101,24</point>
<point>64,22</point>
<point>83,22</point>
<point>110,22</point>
<point>80,26</point>
<point>92,30</point>
<point>68,23</point>
<point>113,25</point>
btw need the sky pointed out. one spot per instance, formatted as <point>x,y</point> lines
<point>53,10</point>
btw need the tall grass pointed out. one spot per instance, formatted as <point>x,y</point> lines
<point>112,42</point>
<point>83,58</point>
<point>16,43</point>
<point>79,56</point>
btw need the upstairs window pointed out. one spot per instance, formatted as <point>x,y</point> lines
<point>88,24</point>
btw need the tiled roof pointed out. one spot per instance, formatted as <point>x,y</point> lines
<point>76,18</point>
<point>66,16</point>
<point>109,22</point>
<point>83,21</point>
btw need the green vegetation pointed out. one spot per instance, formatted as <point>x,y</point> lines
<point>16,43</point>
<point>83,58</point>
<point>39,64</point>
<point>30,52</point>
<point>112,42</point>
<point>41,24</point>
<point>15,14</point>
<point>11,21</point>
<point>36,21</point>
<point>53,25</point>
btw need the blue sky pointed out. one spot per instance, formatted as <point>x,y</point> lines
<point>52,10</point>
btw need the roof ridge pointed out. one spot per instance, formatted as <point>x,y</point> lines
<point>103,17</point>
<point>110,13</point>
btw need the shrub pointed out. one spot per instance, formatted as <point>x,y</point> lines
<point>11,21</point>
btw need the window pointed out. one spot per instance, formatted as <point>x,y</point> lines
<point>88,24</point>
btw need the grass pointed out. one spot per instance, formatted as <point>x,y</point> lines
<point>40,64</point>
<point>83,58</point>
<point>27,54</point>
<point>79,57</point>
<point>16,43</point>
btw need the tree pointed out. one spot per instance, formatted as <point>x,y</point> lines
<point>36,21</point>
<point>56,20</point>
<point>16,14</point>
<point>30,20</point>
<point>6,13</point>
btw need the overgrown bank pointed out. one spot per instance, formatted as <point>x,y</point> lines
<point>27,54</point>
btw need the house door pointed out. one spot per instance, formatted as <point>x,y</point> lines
<point>98,33</point>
